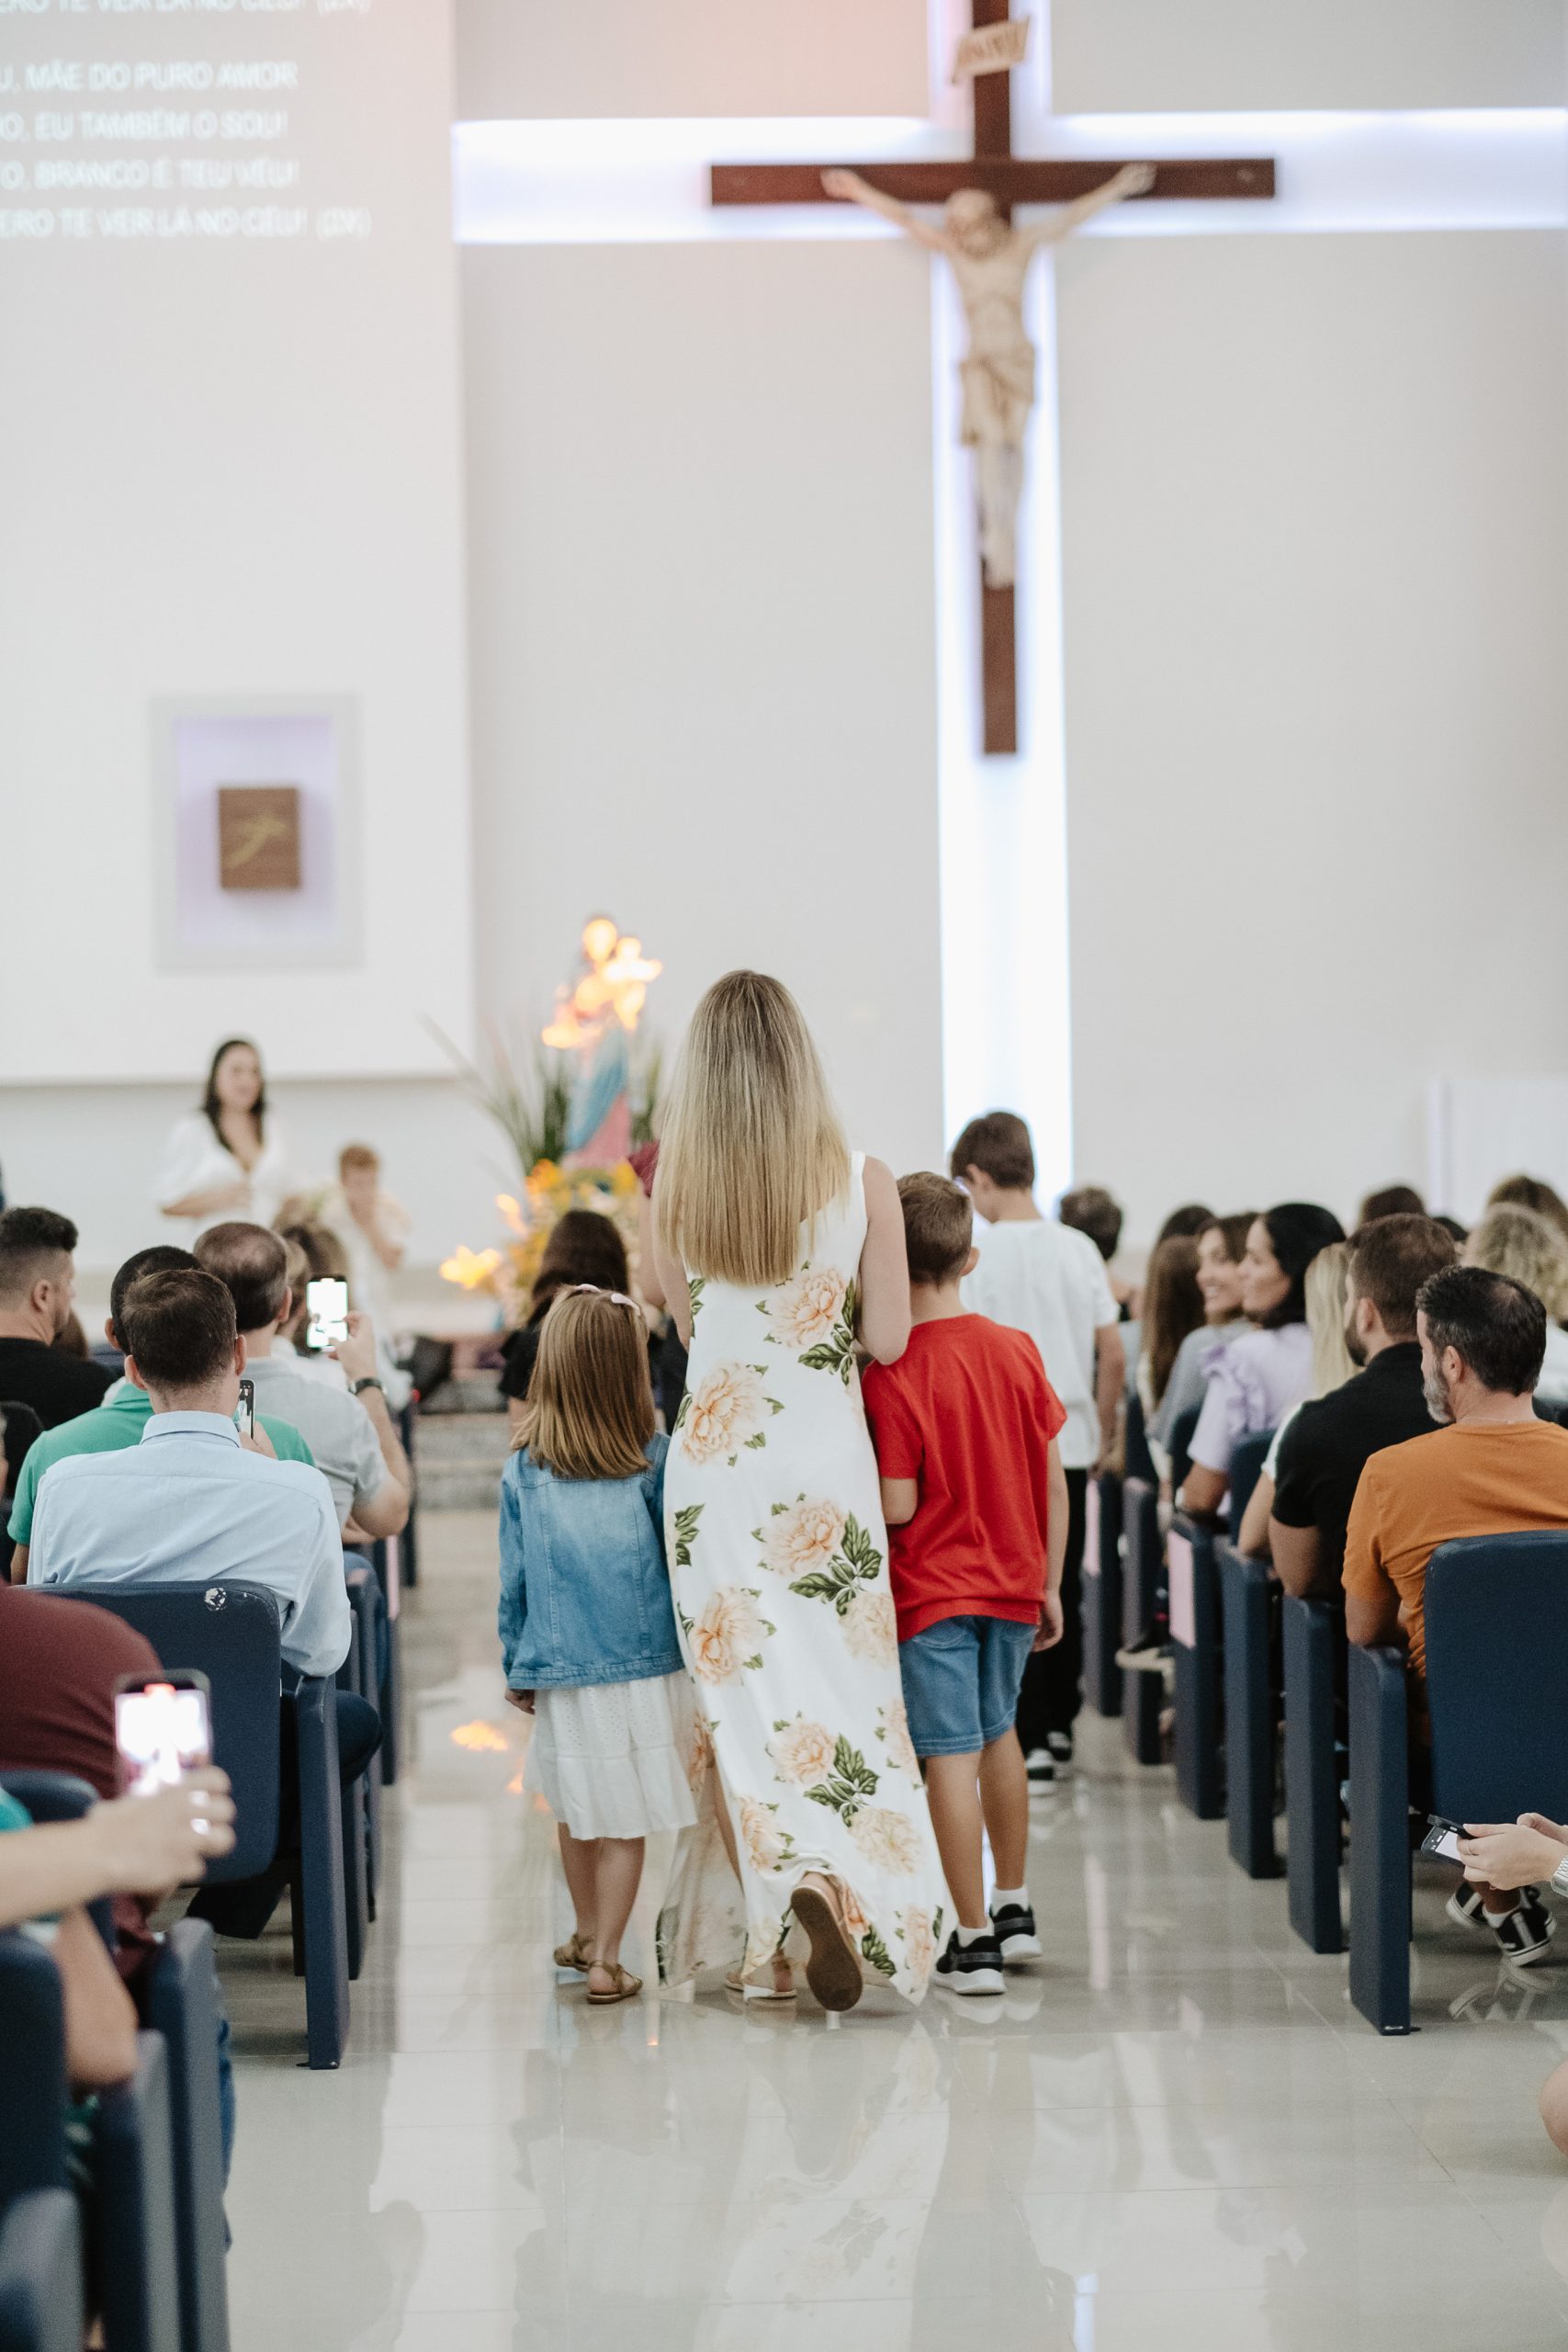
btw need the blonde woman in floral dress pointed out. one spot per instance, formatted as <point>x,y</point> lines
<point>777,1249</point>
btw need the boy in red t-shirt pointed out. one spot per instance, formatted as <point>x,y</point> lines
<point>976,1500</point>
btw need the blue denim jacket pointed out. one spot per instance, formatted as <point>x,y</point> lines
<point>584,1590</point>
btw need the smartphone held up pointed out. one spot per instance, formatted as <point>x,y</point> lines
<point>162,1726</point>
<point>326,1302</point>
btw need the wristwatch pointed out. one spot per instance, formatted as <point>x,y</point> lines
<point>357,1387</point>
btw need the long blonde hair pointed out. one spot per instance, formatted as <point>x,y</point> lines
<point>751,1149</point>
<point>1332,1363</point>
<point>590,1408</point>
<point>1525,1243</point>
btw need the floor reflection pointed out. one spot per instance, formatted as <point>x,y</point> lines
<point>1174,2134</point>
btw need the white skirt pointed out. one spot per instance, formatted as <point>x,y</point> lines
<point>612,1759</point>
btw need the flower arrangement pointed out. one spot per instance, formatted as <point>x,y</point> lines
<point>571,1109</point>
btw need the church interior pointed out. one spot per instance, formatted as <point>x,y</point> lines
<point>1043,533</point>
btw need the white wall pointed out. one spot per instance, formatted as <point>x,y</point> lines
<point>701,588</point>
<point>543,58</point>
<point>1113,55</point>
<point>1316,513</point>
<point>231,468</point>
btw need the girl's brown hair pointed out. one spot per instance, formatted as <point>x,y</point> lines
<point>590,1408</point>
<point>584,1246</point>
<point>1173,1306</point>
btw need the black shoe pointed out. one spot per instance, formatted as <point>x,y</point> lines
<point>1041,1766</point>
<point>1149,1652</point>
<point>974,1967</point>
<point>1013,1926</point>
<point>1525,1933</point>
<point>1059,1747</point>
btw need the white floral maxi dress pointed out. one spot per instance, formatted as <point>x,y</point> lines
<point>778,1558</point>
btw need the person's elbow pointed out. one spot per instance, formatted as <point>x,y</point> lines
<point>1367,1623</point>
<point>386,1513</point>
<point>1203,1490</point>
<point>885,1335</point>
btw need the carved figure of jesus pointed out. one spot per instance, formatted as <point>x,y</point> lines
<point>990,261</point>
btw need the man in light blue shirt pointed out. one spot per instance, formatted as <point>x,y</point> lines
<point>194,1503</point>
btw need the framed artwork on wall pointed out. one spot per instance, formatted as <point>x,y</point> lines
<point>256,802</point>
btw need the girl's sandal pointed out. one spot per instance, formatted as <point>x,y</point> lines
<point>576,1952</point>
<point>774,1996</point>
<point>627,1987</point>
<point>834,1969</point>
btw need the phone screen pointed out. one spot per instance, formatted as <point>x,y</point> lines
<point>1443,1838</point>
<point>162,1728</point>
<point>245,1411</point>
<point>327,1301</point>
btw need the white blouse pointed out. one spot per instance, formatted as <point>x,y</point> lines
<point>196,1162</point>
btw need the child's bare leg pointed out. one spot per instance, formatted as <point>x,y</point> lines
<point>952,1791</point>
<point>579,1860</point>
<point>1004,1800</point>
<point>615,1881</point>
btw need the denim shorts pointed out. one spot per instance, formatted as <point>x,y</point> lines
<point>961,1682</point>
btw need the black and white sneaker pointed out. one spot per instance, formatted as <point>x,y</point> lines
<point>1525,1933</point>
<point>1040,1766</point>
<point>1464,1904</point>
<point>1013,1926</point>
<point>974,1967</point>
<point>1059,1747</point>
<point>1149,1651</point>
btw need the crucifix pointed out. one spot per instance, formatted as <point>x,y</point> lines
<point>989,259</point>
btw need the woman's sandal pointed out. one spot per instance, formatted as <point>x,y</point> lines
<point>774,1996</point>
<point>576,1952</point>
<point>834,1969</point>
<point>627,1987</point>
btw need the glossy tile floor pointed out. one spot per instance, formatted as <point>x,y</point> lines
<point>1176,2135</point>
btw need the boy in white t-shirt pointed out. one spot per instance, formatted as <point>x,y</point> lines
<point>1050,1281</point>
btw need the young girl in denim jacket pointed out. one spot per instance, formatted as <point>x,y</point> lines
<point>587,1625</point>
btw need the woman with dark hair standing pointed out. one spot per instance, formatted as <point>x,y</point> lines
<point>229,1159</point>
<point>1254,1379</point>
<point>585,1246</point>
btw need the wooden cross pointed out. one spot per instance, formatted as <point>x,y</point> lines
<point>1011,179</point>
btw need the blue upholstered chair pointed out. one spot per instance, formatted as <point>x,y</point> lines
<point>1496,1613</point>
<point>230,1632</point>
<point>40,2274</point>
<point>1313,1642</point>
<point>1193,1580</point>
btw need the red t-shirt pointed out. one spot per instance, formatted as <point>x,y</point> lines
<point>969,1412</point>
<point>59,1660</point>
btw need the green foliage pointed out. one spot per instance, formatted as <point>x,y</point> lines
<point>686,1533</point>
<point>527,1095</point>
<point>874,1949</point>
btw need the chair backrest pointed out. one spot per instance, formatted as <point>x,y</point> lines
<point>1496,1609</point>
<point>32,2069</point>
<point>1140,1461</point>
<point>1181,1432</point>
<point>61,1796</point>
<point>230,1632</point>
<point>1247,1468</point>
<point>23,1428</point>
<point>40,2274</point>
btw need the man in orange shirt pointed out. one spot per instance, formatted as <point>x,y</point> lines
<point>1491,1469</point>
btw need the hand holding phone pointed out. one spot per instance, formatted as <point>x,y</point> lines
<point>162,1728</point>
<point>326,1301</point>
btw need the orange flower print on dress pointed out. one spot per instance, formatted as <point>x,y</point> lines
<point>801,1537</point>
<point>726,1411</point>
<point>870,1628</point>
<point>802,1751</point>
<point>726,1636</point>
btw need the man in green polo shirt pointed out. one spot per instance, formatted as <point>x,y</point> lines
<point>120,1421</point>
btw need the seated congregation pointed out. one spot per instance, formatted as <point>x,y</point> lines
<point>807,1540</point>
<point>157,1522</point>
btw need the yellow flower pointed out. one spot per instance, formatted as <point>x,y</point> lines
<point>887,1839</point>
<point>870,1628</point>
<point>729,1631</point>
<point>808,1309</point>
<point>802,1538</point>
<point>900,1746</point>
<point>723,1413</point>
<point>920,1944</point>
<point>803,1752</point>
<point>542,1175</point>
<point>764,1841</point>
<point>623,1180</point>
